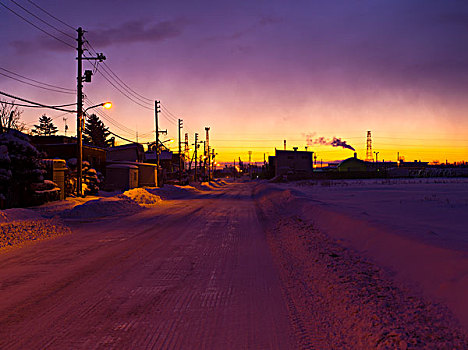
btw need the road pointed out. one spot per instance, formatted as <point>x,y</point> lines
<point>187,274</point>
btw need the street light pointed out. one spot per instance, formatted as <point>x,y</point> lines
<point>376,157</point>
<point>79,165</point>
<point>106,105</point>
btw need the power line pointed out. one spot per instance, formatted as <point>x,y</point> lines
<point>36,103</point>
<point>39,106</point>
<point>35,26</point>
<point>136,94</point>
<point>169,112</point>
<point>111,120</point>
<point>35,85</point>
<point>120,137</point>
<point>40,19</point>
<point>39,82</point>
<point>132,95</point>
<point>123,88</point>
<point>123,93</point>
<point>168,119</point>
<point>57,19</point>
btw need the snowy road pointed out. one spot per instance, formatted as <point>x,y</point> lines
<point>193,274</point>
<point>231,268</point>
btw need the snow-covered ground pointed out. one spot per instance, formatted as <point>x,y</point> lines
<point>417,229</point>
<point>19,225</point>
<point>244,265</point>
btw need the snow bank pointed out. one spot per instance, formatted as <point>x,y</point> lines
<point>19,231</point>
<point>17,214</point>
<point>142,196</point>
<point>174,191</point>
<point>417,230</point>
<point>103,207</point>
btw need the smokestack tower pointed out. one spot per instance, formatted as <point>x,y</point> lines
<point>285,145</point>
<point>369,157</point>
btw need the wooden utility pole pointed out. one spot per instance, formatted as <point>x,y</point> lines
<point>180,152</point>
<point>209,163</point>
<point>79,115</point>
<point>213,165</point>
<point>79,107</point>
<point>156,146</point>
<point>157,110</point>
<point>196,147</point>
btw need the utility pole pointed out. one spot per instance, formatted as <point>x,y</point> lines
<point>79,115</point>
<point>180,152</point>
<point>66,126</point>
<point>207,150</point>
<point>79,107</point>
<point>156,111</point>
<point>203,159</point>
<point>209,164</point>
<point>250,164</point>
<point>196,147</point>
<point>213,155</point>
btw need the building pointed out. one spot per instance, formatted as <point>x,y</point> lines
<point>64,147</point>
<point>354,164</point>
<point>127,168</point>
<point>132,152</point>
<point>298,163</point>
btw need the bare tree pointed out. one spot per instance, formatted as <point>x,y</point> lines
<point>10,117</point>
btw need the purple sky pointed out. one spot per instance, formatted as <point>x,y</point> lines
<point>264,70</point>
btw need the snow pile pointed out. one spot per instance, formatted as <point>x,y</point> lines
<point>19,231</point>
<point>174,191</point>
<point>142,196</point>
<point>205,186</point>
<point>18,214</point>
<point>102,207</point>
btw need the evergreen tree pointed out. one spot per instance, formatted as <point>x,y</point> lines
<point>21,168</point>
<point>96,133</point>
<point>45,128</point>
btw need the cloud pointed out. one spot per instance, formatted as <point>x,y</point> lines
<point>136,32</point>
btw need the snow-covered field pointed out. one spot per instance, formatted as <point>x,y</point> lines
<point>417,229</point>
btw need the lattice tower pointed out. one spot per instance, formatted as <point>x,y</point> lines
<point>369,157</point>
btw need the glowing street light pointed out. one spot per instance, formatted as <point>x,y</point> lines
<point>106,105</point>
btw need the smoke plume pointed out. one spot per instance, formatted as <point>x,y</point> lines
<point>335,142</point>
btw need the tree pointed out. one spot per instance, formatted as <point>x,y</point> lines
<point>10,117</point>
<point>45,128</point>
<point>20,168</point>
<point>95,132</point>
